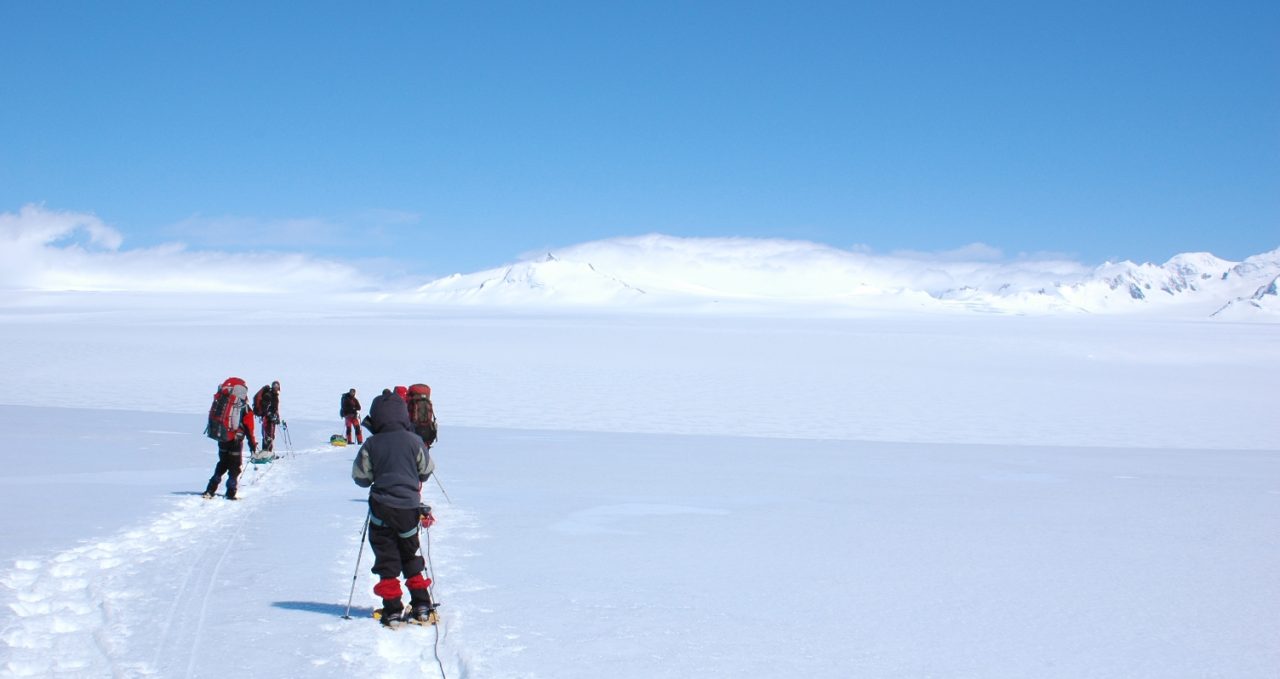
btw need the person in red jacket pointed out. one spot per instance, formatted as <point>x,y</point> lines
<point>230,457</point>
<point>349,409</point>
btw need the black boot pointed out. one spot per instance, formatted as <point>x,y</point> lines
<point>422,614</point>
<point>422,610</point>
<point>391,614</point>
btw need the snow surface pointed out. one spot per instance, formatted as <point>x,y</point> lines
<point>887,495</point>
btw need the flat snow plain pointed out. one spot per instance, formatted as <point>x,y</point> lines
<point>650,496</point>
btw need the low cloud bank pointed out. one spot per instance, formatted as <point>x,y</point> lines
<point>776,268</point>
<point>656,270</point>
<point>50,250</point>
<point>46,250</point>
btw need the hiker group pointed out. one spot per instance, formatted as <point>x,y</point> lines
<point>231,424</point>
<point>393,464</point>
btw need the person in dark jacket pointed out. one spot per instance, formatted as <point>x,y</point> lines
<point>349,410</point>
<point>393,464</point>
<point>267,403</point>
<point>230,456</point>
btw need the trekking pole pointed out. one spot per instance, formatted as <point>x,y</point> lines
<point>436,476</point>
<point>352,595</point>
<point>288,440</point>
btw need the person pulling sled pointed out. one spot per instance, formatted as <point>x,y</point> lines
<point>349,410</point>
<point>393,464</point>
<point>266,403</point>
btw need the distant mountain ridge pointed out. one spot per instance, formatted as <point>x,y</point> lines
<point>660,271</point>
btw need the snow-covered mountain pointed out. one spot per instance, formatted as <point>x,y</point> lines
<point>1264,300</point>
<point>548,279</point>
<point>658,270</point>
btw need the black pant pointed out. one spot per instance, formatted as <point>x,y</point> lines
<point>393,553</point>
<point>229,464</point>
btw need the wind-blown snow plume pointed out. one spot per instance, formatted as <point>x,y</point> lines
<point>47,250</point>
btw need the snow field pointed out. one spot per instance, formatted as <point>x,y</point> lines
<point>86,609</point>
<point>983,497</point>
<point>166,598</point>
<point>577,554</point>
<point>1001,380</point>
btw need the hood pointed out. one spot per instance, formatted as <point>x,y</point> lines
<point>389,413</point>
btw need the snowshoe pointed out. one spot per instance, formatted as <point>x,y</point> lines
<point>389,619</point>
<point>207,495</point>
<point>422,615</point>
<point>232,496</point>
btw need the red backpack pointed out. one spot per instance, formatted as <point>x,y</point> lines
<point>257,398</point>
<point>228,407</point>
<point>421,412</point>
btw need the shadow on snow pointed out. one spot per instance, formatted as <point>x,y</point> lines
<point>337,610</point>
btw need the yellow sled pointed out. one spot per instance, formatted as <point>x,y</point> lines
<point>338,440</point>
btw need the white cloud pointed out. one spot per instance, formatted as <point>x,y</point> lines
<point>263,234</point>
<point>390,217</point>
<point>33,224</point>
<point>293,234</point>
<point>788,268</point>
<point>57,250</point>
<point>973,252</point>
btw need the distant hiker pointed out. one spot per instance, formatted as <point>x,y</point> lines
<point>267,404</point>
<point>349,411</point>
<point>230,422</point>
<point>394,464</point>
<point>421,413</point>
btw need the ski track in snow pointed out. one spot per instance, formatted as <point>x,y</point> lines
<point>89,595</point>
<point>137,604</point>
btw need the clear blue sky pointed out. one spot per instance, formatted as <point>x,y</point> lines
<point>452,136</point>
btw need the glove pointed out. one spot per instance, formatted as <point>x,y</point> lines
<point>275,419</point>
<point>427,519</point>
<point>253,448</point>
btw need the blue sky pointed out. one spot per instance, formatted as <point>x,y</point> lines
<point>447,137</point>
